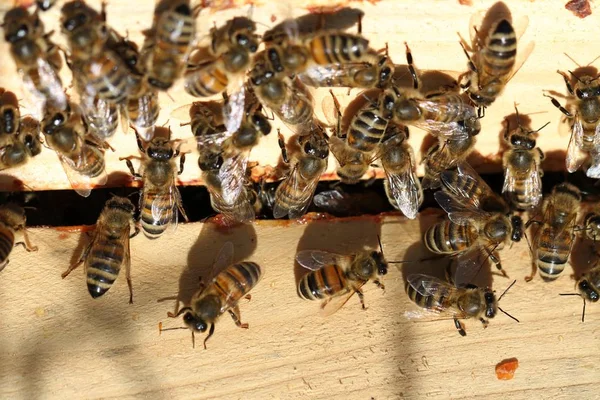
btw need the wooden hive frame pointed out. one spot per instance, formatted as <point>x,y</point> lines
<point>59,342</point>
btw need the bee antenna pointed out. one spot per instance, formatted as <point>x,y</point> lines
<point>506,290</point>
<point>508,315</point>
<point>543,126</point>
<point>380,245</point>
<point>574,76</point>
<point>184,309</point>
<point>413,261</point>
<point>577,294</point>
<point>572,59</point>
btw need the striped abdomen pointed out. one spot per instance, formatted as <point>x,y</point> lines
<point>108,76</point>
<point>7,242</point>
<point>91,161</point>
<point>337,48</point>
<point>175,32</point>
<point>142,111</point>
<point>295,109</point>
<point>293,195</point>
<point>498,56</point>
<point>241,210</point>
<point>103,117</point>
<point>588,140</point>
<point>155,225</point>
<point>441,301</point>
<point>323,283</point>
<point>207,80</point>
<point>104,263</point>
<point>235,281</point>
<point>450,238</point>
<point>449,107</point>
<point>366,129</point>
<point>552,251</point>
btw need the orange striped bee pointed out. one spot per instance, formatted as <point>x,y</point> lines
<point>230,282</point>
<point>109,249</point>
<point>334,278</point>
<point>160,197</point>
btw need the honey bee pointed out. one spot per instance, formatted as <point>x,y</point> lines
<point>588,288</point>
<point>12,222</point>
<point>522,172</point>
<point>222,166</point>
<point>45,5</point>
<point>554,239</point>
<point>17,149</point>
<point>445,154</point>
<point>353,164</point>
<point>109,249</point>
<point>169,42</point>
<point>98,71</point>
<point>36,56</point>
<point>583,109</point>
<point>294,194</point>
<point>402,185</point>
<point>591,225</point>
<point>82,158</point>
<point>494,59</point>
<point>230,282</point>
<point>334,278</point>
<point>478,223</point>
<point>160,197</point>
<point>440,297</point>
<point>445,113</point>
<point>10,116</point>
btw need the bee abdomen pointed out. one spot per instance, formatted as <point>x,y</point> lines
<point>177,31</point>
<point>206,81</point>
<point>552,255</point>
<point>438,302</point>
<point>338,48</point>
<point>366,130</point>
<point>7,242</point>
<point>103,266</point>
<point>323,283</point>
<point>501,50</point>
<point>155,227</point>
<point>237,280</point>
<point>449,238</point>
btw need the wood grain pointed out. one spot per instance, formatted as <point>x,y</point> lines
<point>429,26</point>
<point>57,342</point>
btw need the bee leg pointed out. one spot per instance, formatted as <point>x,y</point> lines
<point>281,142</point>
<point>379,284</point>
<point>248,297</point>
<point>533,271</point>
<point>130,166</point>
<point>498,264</point>
<point>480,112</point>
<point>411,68</point>
<point>181,163</point>
<point>566,79</point>
<point>136,230</point>
<point>180,205</point>
<point>103,10</point>
<point>210,333</point>
<point>128,278</point>
<point>235,314</point>
<point>361,297</point>
<point>484,322</point>
<point>27,243</point>
<point>556,104</point>
<point>459,327</point>
<point>79,262</point>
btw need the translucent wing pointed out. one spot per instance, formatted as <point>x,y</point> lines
<point>458,212</point>
<point>49,80</point>
<point>594,169</point>
<point>452,130</point>
<point>427,285</point>
<point>317,259</point>
<point>509,180</point>
<point>333,304</point>
<point>468,187</point>
<point>334,75</point>
<point>332,200</point>
<point>223,260</point>
<point>406,190</point>
<point>242,212</point>
<point>574,157</point>
<point>234,109</point>
<point>147,115</point>
<point>470,262</point>
<point>165,211</point>
<point>182,113</point>
<point>213,140</point>
<point>532,186</point>
<point>232,176</point>
<point>302,189</point>
<point>79,182</point>
<point>100,115</point>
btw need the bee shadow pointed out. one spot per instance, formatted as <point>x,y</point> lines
<point>584,256</point>
<point>342,236</point>
<point>204,251</point>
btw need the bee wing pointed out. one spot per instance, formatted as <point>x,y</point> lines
<point>468,178</point>
<point>234,109</point>
<point>50,80</point>
<point>304,189</point>
<point>232,176</point>
<point>481,19</point>
<point>244,212</point>
<point>333,304</point>
<point>575,157</point>
<point>594,169</point>
<point>160,211</point>
<point>329,110</point>
<point>79,182</point>
<point>427,285</point>
<point>317,259</point>
<point>532,187</point>
<point>332,200</point>
<point>469,263</point>
<point>182,113</point>
<point>406,190</point>
<point>458,212</point>
<point>223,260</point>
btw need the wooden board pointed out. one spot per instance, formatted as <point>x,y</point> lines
<point>429,26</point>
<point>57,342</point>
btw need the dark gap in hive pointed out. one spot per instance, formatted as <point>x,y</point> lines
<point>67,208</point>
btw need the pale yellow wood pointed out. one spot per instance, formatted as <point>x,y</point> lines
<point>57,342</point>
<point>429,26</point>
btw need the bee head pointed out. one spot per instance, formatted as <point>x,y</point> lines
<point>162,153</point>
<point>194,323</point>
<point>212,162</point>
<point>261,123</point>
<point>19,24</point>
<point>588,291</point>
<point>54,122</point>
<point>382,265</point>
<point>491,305</point>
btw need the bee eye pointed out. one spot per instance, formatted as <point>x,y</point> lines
<point>579,93</point>
<point>22,31</point>
<point>242,40</point>
<point>58,120</point>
